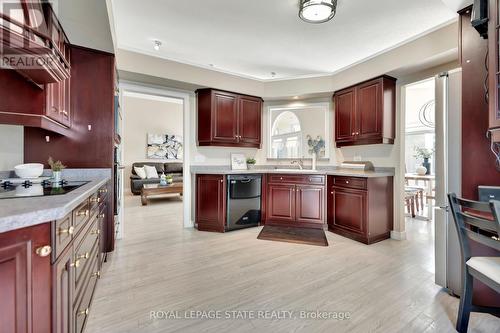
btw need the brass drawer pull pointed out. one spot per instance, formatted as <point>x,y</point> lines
<point>97,200</point>
<point>97,274</point>
<point>69,231</point>
<point>86,255</point>
<point>84,312</point>
<point>75,264</point>
<point>103,190</point>
<point>85,212</point>
<point>101,216</point>
<point>44,251</point>
<point>95,232</point>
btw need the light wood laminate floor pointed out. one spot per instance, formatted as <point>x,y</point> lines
<point>159,266</point>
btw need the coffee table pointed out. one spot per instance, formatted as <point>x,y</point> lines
<point>157,189</point>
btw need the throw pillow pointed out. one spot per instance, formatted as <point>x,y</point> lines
<point>151,172</point>
<point>140,172</point>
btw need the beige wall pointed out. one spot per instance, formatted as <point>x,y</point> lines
<point>142,116</point>
<point>11,146</point>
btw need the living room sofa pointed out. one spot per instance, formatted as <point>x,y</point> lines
<point>174,169</point>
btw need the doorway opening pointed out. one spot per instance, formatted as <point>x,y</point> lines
<point>154,163</point>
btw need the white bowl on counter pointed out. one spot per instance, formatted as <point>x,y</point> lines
<point>29,170</point>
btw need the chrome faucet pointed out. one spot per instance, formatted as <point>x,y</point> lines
<point>299,162</point>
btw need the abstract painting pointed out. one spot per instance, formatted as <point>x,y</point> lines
<point>164,146</point>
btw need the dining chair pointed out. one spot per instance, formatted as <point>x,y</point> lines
<point>479,222</point>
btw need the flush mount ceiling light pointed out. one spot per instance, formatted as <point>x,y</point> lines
<point>157,45</point>
<point>317,11</point>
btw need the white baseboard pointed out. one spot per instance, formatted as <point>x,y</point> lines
<point>398,235</point>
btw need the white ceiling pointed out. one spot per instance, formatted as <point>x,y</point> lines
<point>253,38</point>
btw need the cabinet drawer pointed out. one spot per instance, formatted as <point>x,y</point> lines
<point>94,202</point>
<point>81,215</point>
<point>62,235</point>
<point>350,182</point>
<point>84,254</point>
<point>297,179</point>
<point>82,308</point>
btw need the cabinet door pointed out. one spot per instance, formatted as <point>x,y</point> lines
<point>310,201</point>
<point>348,209</point>
<point>369,110</point>
<point>345,104</point>
<point>225,117</point>
<point>249,120</point>
<point>53,101</point>
<point>63,293</point>
<point>65,104</point>
<point>210,202</point>
<point>281,202</point>
<point>25,286</point>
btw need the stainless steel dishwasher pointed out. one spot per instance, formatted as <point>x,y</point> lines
<point>243,201</point>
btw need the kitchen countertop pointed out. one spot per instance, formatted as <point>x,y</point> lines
<point>17,213</point>
<point>336,171</point>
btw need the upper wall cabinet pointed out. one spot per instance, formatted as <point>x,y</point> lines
<point>365,113</point>
<point>33,42</point>
<point>228,119</point>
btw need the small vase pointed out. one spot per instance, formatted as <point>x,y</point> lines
<point>421,170</point>
<point>314,157</point>
<point>56,176</point>
<point>250,166</point>
<point>427,165</point>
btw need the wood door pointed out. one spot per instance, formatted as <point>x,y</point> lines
<point>345,105</point>
<point>369,110</point>
<point>309,204</point>
<point>280,202</point>
<point>210,202</point>
<point>65,102</point>
<point>348,209</point>
<point>63,292</point>
<point>25,277</point>
<point>249,120</point>
<point>225,117</point>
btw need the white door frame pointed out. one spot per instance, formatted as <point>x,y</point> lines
<point>135,87</point>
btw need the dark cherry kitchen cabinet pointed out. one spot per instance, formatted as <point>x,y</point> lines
<point>493,69</point>
<point>295,200</point>
<point>57,102</point>
<point>228,119</point>
<point>360,208</point>
<point>25,275</point>
<point>365,113</point>
<point>63,293</point>
<point>210,202</point>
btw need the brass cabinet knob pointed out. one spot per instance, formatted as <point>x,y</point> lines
<point>222,180</point>
<point>75,264</point>
<point>95,232</point>
<point>84,312</point>
<point>97,274</point>
<point>43,251</point>
<point>101,216</point>
<point>86,255</point>
<point>103,190</point>
<point>97,199</point>
<point>85,212</point>
<point>347,182</point>
<point>69,231</point>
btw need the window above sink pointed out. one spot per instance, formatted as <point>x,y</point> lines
<point>290,125</point>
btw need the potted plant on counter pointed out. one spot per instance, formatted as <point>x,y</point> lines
<point>316,147</point>
<point>251,163</point>
<point>57,168</point>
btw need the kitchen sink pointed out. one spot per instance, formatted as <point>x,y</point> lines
<point>296,170</point>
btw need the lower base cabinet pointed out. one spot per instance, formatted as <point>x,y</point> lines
<point>48,272</point>
<point>210,202</point>
<point>295,200</point>
<point>360,208</point>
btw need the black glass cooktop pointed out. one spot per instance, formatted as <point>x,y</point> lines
<point>30,189</point>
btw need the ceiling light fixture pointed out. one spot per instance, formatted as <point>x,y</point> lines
<point>157,45</point>
<point>273,74</point>
<point>317,11</point>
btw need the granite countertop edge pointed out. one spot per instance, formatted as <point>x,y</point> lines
<point>222,170</point>
<point>39,210</point>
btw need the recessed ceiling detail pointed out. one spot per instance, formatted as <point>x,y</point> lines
<point>255,38</point>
